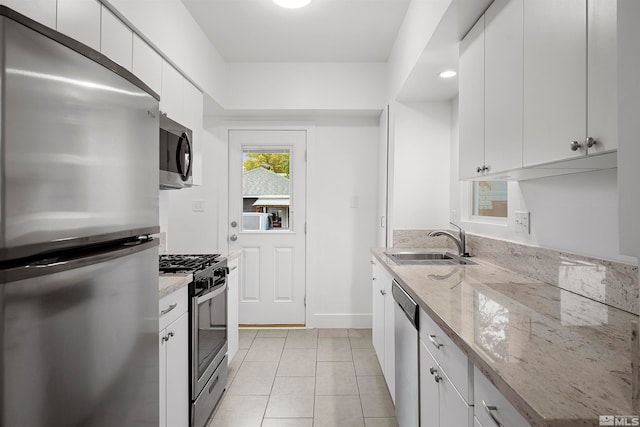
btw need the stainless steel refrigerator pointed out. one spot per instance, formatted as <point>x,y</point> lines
<point>78,201</point>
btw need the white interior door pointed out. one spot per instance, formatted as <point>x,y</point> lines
<point>267,214</point>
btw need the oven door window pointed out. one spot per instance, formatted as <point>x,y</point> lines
<point>212,328</point>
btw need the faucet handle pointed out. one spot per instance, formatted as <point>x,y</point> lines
<point>455,225</point>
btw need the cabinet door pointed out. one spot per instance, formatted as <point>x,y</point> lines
<point>43,11</point>
<point>147,64</point>
<point>503,85</point>
<point>80,20</point>
<point>233,283</point>
<point>602,99</point>
<point>171,98</point>
<point>116,39</point>
<point>177,349</point>
<point>471,101</point>
<point>555,78</point>
<point>377,321</point>
<point>454,411</point>
<point>429,399</point>
<point>163,378</point>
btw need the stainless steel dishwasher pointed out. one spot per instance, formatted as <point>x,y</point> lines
<point>406,343</point>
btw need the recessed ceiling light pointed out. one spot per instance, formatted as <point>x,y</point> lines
<point>446,74</point>
<point>292,4</point>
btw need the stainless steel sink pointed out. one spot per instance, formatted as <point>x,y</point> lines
<point>428,258</point>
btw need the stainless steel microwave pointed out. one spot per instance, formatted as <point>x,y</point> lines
<point>176,155</point>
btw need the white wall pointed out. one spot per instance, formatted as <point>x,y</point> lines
<point>305,86</point>
<point>420,22</point>
<point>189,231</point>
<point>342,166</point>
<point>422,138</point>
<point>576,213</point>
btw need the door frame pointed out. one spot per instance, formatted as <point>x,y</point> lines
<point>223,194</point>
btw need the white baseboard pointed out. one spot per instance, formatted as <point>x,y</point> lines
<point>339,320</point>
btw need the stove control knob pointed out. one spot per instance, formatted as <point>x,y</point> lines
<point>202,283</point>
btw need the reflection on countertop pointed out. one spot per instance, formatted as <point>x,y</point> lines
<point>560,358</point>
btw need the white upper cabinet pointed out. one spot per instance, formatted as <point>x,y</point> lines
<point>171,96</point>
<point>503,85</point>
<point>116,40</point>
<point>602,99</point>
<point>43,11</point>
<point>555,79</point>
<point>147,64</point>
<point>471,102</point>
<point>80,20</point>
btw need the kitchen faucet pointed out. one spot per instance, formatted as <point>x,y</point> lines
<point>461,242</point>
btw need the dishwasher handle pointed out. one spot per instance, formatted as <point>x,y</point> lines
<point>406,303</point>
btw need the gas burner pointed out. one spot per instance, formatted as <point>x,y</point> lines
<point>187,262</point>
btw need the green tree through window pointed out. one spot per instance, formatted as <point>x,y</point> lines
<point>275,162</point>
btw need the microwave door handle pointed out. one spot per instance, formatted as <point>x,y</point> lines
<point>183,160</point>
<point>210,295</point>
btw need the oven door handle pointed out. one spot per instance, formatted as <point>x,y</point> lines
<point>211,294</point>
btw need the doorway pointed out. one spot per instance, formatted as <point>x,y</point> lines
<point>267,214</point>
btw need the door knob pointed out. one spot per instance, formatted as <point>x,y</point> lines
<point>234,224</point>
<point>590,142</point>
<point>233,238</point>
<point>575,145</point>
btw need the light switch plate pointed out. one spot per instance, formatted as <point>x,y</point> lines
<point>197,205</point>
<point>523,222</point>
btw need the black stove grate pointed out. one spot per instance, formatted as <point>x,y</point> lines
<point>175,263</point>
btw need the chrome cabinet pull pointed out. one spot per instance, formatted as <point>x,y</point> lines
<point>590,142</point>
<point>383,292</point>
<point>490,410</point>
<point>171,307</point>
<point>575,145</point>
<point>432,338</point>
<point>433,371</point>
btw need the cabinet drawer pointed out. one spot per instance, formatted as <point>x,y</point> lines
<point>491,403</point>
<point>451,359</point>
<point>172,306</point>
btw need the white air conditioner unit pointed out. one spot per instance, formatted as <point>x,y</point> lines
<point>255,221</point>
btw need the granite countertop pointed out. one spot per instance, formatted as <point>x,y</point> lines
<point>169,283</point>
<point>561,359</point>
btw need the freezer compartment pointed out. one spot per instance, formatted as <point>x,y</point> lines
<point>79,148</point>
<point>80,340</point>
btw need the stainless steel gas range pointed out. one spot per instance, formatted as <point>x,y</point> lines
<point>207,329</point>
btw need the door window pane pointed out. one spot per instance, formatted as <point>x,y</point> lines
<point>490,198</point>
<point>266,189</point>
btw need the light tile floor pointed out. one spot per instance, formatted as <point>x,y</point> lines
<point>304,378</point>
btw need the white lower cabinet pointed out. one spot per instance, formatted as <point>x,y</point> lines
<point>174,360</point>
<point>383,324</point>
<point>446,379</point>
<point>440,403</point>
<point>492,409</point>
<point>233,286</point>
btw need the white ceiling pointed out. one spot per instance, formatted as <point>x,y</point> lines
<point>324,31</point>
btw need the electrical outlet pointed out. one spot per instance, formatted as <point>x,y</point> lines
<point>523,223</point>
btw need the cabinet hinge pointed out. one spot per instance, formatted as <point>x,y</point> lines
<point>305,228</point>
<point>305,155</point>
<point>305,300</point>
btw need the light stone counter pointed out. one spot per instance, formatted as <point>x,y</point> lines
<point>170,283</point>
<point>561,359</point>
